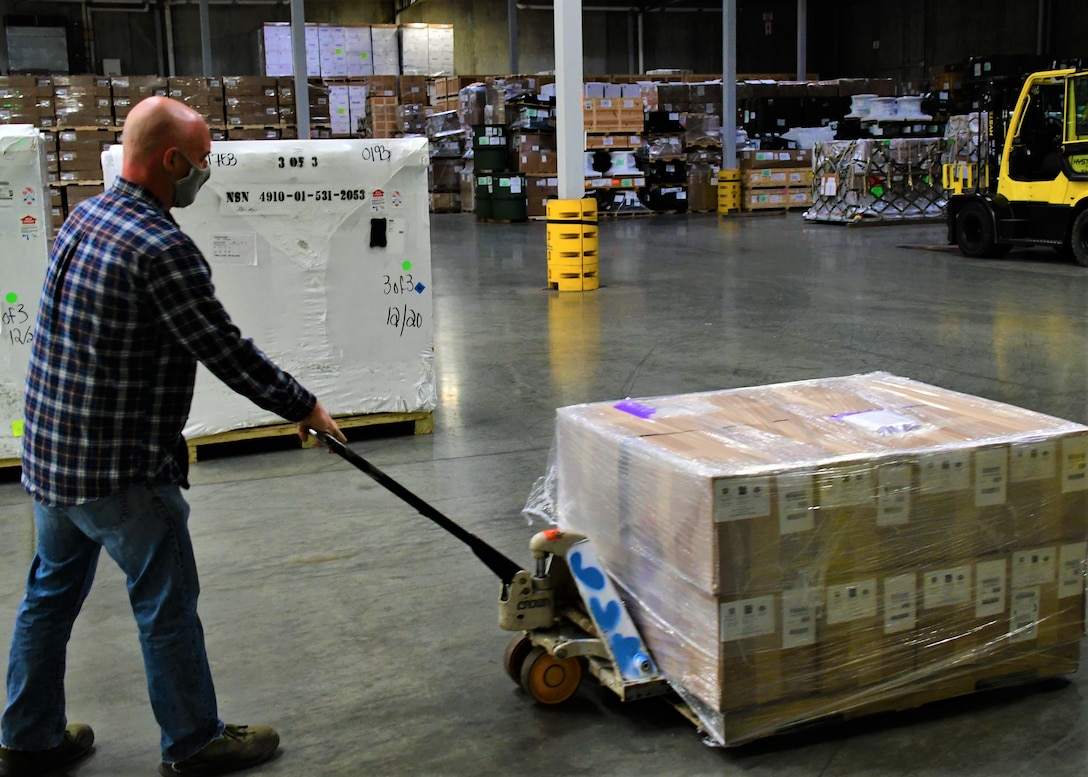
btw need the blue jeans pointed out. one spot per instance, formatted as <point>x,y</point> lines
<point>145,530</point>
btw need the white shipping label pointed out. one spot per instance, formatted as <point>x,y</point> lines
<point>747,618</point>
<point>946,587</point>
<point>846,486</point>
<point>939,473</point>
<point>851,601</point>
<point>796,503</point>
<point>799,617</point>
<point>1074,464</point>
<point>893,495</point>
<point>1033,461</point>
<point>1071,559</point>
<point>900,603</point>
<point>234,249</point>
<point>1034,567</point>
<point>829,185</point>
<point>1024,615</point>
<point>991,474</point>
<point>739,498</point>
<point>990,588</point>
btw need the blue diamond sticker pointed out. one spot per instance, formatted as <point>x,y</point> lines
<point>419,288</point>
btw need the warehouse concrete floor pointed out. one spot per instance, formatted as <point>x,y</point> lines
<point>368,636</point>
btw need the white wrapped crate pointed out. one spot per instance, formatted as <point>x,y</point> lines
<point>24,237</point>
<point>320,251</point>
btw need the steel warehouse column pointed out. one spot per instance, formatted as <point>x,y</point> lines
<point>729,177</point>
<point>512,17</point>
<point>206,38</point>
<point>168,20</point>
<point>298,60</point>
<point>572,218</point>
<point>570,126</point>
<point>802,40</point>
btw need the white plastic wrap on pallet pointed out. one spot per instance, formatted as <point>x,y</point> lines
<point>292,230</point>
<point>24,238</point>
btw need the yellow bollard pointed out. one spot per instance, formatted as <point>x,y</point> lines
<point>728,191</point>
<point>572,244</point>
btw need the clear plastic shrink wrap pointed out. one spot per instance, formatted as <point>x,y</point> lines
<point>837,546</point>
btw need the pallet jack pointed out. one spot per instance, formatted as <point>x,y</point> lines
<point>566,612</point>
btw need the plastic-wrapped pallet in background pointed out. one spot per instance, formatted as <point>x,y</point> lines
<point>320,251</point>
<point>880,180</point>
<point>833,547</point>
<point>26,236</point>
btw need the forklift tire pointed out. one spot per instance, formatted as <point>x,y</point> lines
<point>513,658</point>
<point>1079,238</point>
<point>548,679</point>
<point>975,234</point>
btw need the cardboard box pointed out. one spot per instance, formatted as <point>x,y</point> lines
<point>776,177</point>
<point>769,159</point>
<point>446,202</point>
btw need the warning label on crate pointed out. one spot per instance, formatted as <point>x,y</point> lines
<point>739,498</point>
<point>1071,569</point>
<point>1024,615</point>
<point>990,584</point>
<point>991,476</point>
<point>851,601</point>
<point>747,618</point>
<point>796,503</point>
<point>799,617</point>
<point>900,603</point>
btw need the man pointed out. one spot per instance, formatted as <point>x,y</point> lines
<point>127,310</point>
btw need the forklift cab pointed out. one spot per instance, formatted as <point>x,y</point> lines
<point>1050,131</point>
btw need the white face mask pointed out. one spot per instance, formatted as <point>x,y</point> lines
<point>185,190</point>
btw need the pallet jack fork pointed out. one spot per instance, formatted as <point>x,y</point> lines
<point>566,612</point>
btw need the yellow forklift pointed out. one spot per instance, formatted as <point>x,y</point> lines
<point>1030,187</point>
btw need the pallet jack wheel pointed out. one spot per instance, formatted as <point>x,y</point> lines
<point>513,658</point>
<point>548,679</point>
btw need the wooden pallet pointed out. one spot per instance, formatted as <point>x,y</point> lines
<point>423,423</point>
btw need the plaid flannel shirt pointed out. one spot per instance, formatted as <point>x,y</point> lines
<point>127,310</point>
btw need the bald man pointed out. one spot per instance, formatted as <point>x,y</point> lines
<point>127,310</point>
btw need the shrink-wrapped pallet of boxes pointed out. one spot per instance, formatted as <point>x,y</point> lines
<point>775,179</point>
<point>320,251</point>
<point>25,208</point>
<point>833,547</point>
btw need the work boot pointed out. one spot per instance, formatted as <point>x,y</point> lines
<point>78,741</point>
<point>237,748</point>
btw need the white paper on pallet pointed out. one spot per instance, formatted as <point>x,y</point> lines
<point>25,235</point>
<point>288,228</point>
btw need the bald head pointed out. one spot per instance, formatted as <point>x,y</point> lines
<point>159,134</point>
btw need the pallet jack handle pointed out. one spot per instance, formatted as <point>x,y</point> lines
<point>502,566</point>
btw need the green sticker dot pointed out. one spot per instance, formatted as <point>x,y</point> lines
<point>407,266</point>
<point>12,298</point>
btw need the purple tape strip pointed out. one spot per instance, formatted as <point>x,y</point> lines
<point>634,408</point>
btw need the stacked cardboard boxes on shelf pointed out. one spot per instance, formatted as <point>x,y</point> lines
<point>82,101</point>
<point>27,100</point>
<point>837,546</point>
